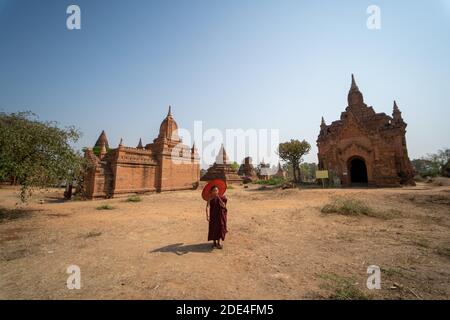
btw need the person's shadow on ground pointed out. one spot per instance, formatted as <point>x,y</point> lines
<point>180,249</point>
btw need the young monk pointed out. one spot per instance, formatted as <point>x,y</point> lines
<point>217,217</point>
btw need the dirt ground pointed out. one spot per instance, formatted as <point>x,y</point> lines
<point>279,246</point>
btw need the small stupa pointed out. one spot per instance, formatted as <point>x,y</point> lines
<point>221,169</point>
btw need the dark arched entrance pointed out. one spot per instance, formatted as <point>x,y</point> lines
<point>358,171</point>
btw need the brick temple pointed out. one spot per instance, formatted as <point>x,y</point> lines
<point>247,171</point>
<point>164,165</point>
<point>221,169</point>
<point>365,147</point>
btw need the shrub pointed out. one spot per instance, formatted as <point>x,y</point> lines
<point>348,207</point>
<point>352,207</point>
<point>271,182</point>
<point>342,288</point>
<point>105,207</point>
<point>134,198</point>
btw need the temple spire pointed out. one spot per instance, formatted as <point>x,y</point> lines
<point>395,106</point>
<point>140,146</point>
<point>102,140</point>
<point>396,113</point>
<point>222,157</point>
<point>168,128</point>
<point>354,86</point>
<point>355,96</point>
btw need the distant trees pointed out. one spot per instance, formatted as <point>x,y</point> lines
<point>235,166</point>
<point>292,152</point>
<point>425,168</point>
<point>308,171</point>
<point>433,164</point>
<point>35,153</point>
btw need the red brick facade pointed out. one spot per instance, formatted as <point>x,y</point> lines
<point>364,146</point>
<point>164,165</point>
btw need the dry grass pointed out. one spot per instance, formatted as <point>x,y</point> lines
<point>444,251</point>
<point>93,234</point>
<point>422,242</point>
<point>13,214</point>
<point>134,198</point>
<point>105,207</point>
<point>352,207</point>
<point>342,288</point>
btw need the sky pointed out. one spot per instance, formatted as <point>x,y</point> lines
<point>247,64</point>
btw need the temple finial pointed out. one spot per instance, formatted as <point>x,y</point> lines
<point>169,114</point>
<point>395,105</point>
<point>355,96</point>
<point>396,113</point>
<point>354,86</point>
<point>102,140</point>
<point>140,146</point>
<point>121,142</point>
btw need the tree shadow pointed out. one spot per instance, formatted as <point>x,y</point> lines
<point>14,214</point>
<point>180,249</point>
<point>55,200</point>
<point>264,188</point>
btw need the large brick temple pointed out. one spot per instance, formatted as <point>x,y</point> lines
<point>365,147</point>
<point>164,165</point>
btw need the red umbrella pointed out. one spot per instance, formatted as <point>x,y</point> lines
<point>220,184</point>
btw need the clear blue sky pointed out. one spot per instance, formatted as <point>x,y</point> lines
<point>232,64</point>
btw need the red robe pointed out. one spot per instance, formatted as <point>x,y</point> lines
<point>217,218</point>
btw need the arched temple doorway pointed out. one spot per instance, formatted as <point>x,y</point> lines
<point>358,171</point>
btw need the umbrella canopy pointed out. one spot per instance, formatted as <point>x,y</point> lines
<point>220,184</point>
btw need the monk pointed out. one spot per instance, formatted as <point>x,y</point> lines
<point>217,217</point>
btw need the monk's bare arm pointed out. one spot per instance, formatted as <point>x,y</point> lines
<point>207,212</point>
<point>223,201</point>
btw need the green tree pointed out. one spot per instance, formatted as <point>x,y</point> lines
<point>441,160</point>
<point>308,171</point>
<point>36,153</point>
<point>433,164</point>
<point>425,168</point>
<point>292,152</point>
<point>235,166</point>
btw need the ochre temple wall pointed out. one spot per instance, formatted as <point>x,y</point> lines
<point>134,178</point>
<point>178,173</point>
